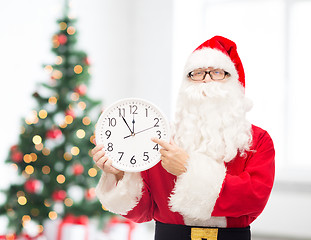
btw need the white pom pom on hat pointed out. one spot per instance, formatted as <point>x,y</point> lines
<point>217,52</point>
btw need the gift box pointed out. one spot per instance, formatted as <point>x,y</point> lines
<point>69,228</point>
<point>73,228</point>
<point>120,228</point>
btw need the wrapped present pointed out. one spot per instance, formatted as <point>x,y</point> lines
<point>120,228</point>
<point>73,228</point>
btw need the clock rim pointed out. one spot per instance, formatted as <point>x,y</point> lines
<point>112,105</point>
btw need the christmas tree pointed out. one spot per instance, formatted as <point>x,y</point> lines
<point>53,160</point>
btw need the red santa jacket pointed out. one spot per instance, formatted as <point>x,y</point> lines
<point>208,194</point>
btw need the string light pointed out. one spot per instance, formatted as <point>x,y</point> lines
<point>78,69</point>
<point>59,60</point>
<point>46,151</point>
<point>75,96</point>
<point>34,157</point>
<point>36,139</point>
<point>60,179</point>
<point>25,175</point>
<point>29,169</point>
<point>57,74</point>
<point>62,26</point>
<point>41,228</point>
<point>68,119</point>
<point>46,170</point>
<point>80,133</point>
<point>43,114</point>
<point>71,30</point>
<point>92,138</point>
<point>52,215</point>
<point>67,156</point>
<point>92,172</point>
<point>27,158</point>
<point>82,105</point>
<point>25,219</point>
<point>20,194</point>
<point>52,100</point>
<point>68,202</point>
<point>48,68</point>
<point>39,147</point>
<point>32,118</point>
<point>86,121</point>
<point>14,166</point>
<point>22,200</point>
<point>63,125</point>
<point>75,151</point>
<point>47,203</point>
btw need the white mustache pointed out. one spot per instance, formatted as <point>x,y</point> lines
<point>200,91</point>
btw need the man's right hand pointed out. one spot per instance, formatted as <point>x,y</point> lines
<point>103,162</point>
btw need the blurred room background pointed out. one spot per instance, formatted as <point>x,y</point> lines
<point>137,48</point>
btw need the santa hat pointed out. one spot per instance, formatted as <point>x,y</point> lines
<point>217,52</point>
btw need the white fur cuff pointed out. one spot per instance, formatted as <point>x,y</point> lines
<point>122,197</point>
<point>197,190</point>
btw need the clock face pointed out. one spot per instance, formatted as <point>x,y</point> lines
<point>126,128</point>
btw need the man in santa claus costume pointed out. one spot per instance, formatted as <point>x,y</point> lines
<point>216,174</point>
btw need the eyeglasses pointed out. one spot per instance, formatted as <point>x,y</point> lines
<point>215,74</point>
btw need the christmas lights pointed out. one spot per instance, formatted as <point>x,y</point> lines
<point>92,172</point>
<point>86,121</point>
<point>80,133</point>
<point>71,30</point>
<point>78,69</point>
<point>36,139</point>
<point>60,178</point>
<point>54,149</point>
<point>67,156</point>
<point>75,151</point>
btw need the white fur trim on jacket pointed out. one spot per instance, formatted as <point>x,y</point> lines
<point>208,57</point>
<point>119,197</point>
<point>197,190</point>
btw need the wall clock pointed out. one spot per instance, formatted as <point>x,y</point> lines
<point>125,129</point>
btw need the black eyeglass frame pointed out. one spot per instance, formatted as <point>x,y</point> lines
<point>208,72</point>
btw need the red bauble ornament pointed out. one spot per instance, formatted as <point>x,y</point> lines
<point>70,113</point>
<point>62,39</point>
<point>90,194</point>
<point>81,89</point>
<point>17,156</point>
<point>87,61</point>
<point>77,169</point>
<point>54,133</point>
<point>33,186</point>
<point>59,195</point>
<point>14,148</point>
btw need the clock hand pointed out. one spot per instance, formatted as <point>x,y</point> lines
<point>139,132</point>
<point>127,126</point>
<point>133,123</point>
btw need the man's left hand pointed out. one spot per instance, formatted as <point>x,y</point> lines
<point>174,159</point>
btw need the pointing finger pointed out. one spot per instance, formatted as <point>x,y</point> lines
<point>162,143</point>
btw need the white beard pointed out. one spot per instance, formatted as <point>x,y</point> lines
<point>210,119</point>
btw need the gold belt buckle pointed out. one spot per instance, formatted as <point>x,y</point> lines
<point>205,233</point>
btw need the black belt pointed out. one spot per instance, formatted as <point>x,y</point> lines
<point>165,231</point>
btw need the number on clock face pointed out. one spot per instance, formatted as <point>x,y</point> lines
<point>126,128</point>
